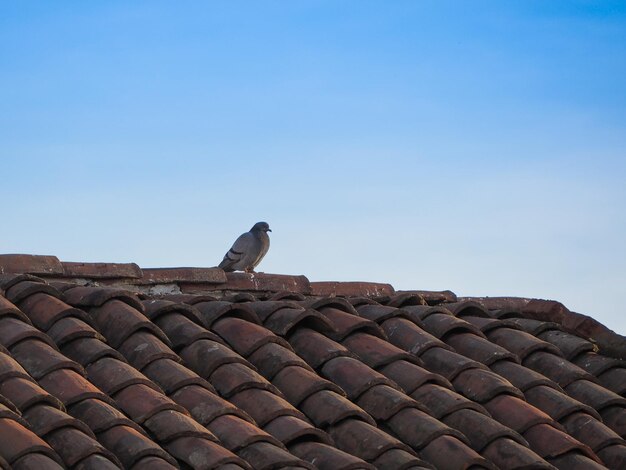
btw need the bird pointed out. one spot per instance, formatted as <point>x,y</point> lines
<point>248,250</point>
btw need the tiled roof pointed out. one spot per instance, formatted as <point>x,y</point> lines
<point>109,365</point>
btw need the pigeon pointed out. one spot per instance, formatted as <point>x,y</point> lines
<point>248,250</point>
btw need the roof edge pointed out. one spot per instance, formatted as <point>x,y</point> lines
<point>609,342</point>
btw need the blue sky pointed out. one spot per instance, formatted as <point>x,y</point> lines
<point>472,146</point>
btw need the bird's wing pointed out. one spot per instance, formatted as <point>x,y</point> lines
<point>239,249</point>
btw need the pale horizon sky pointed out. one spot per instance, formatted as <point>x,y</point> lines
<point>473,146</point>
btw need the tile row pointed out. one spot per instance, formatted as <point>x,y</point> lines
<point>539,367</point>
<point>114,390</point>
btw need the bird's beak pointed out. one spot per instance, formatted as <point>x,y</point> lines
<point>269,230</point>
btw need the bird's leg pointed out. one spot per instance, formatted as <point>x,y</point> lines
<point>249,270</point>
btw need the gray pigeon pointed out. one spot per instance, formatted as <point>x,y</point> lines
<point>248,250</point>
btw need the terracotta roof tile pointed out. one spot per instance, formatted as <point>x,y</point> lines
<point>614,379</point>
<point>118,321</point>
<point>354,377</point>
<point>289,429</point>
<point>37,461</point>
<point>70,387</point>
<point>101,270</point>
<point>555,403</point>
<point>204,356</point>
<point>522,377</point>
<point>130,446</point>
<point>32,264</point>
<point>589,430</point>
<point>441,325</point>
<point>182,332</point>
<point>20,291</point>
<point>467,308</point>
<point>408,336</point>
<point>186,275</point>
<point>236,433</point>
<point>535,327</point>
<point>520,343</point>
<point>418,429</point>
<point>270,377</point>
<point>613,456</point>
<point>101,416</point>
<point>267,456</point>
<point>350,289</point>
<point>7,309</point>
<point>480,429</point>
<point>213,311</point>
<point>143,347</point>
<point>550,442</point>
<point>270,358</point>
<point>327,408</point>
<point>442,401</point>
<point>516,413</point>
<point>201,453</point>
<point>141,402</point>
<point>481,385</point>
<point>44,419</point>
<point>448,363</point>
<point>245,337</point>
<point>326,457</point>
<point>151,463</point>
<point>286,295</point>
<point>376,352</point>
<point>264,406</point>
<point>156,308</point>
<point>169,425</point>
<point>298,383</point>
<point>479,348</point>
<point>70,328</point>
<point>432,297</point>
<point>9,367</point>
<point>13,331</point>
<point>447,452</point>
<point>507,453</point>
<point>10,411</point>
<point>16,441</point>
<point>339,303</point>
<point>285,320</point>
<point>315,348</point>
<point>205,406</point>
<point>406,298</point>
<point>615,418</point>
<point>400,459</point>
<point>84,351</point>
<point>171,376</point>
<point>417,313</point>
<point>597,364</point>
<point>39,358</point>
<point>232,378</point>
<point>411,376</point>
<point>382,402</point>
<point>24,393</point>
<point>345,323</point>
<point>364,440</point>
<point>594,395</point>
<point>45,310</point>
<point>112,375</point>
<point>92,296</point>
<point>488,324</point>
<point>575,461</point>
<point>570,345</point>
<point>265,282</point>
<point>74,446</point>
